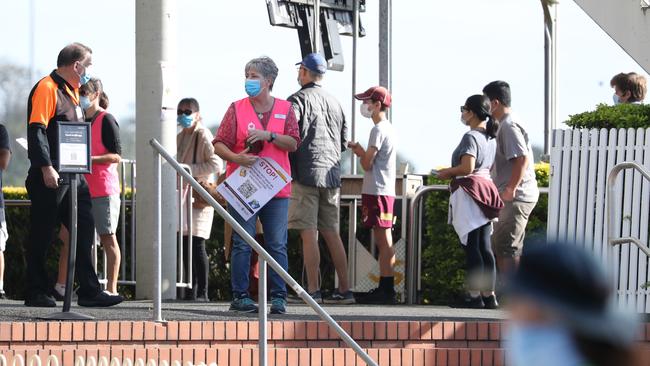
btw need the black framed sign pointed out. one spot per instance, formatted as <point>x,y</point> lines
<point>74,147</point>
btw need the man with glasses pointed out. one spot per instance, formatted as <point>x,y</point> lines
<point>53,99</point>
<point>316,172</point>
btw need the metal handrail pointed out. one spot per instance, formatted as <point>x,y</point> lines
<point>611,181</point>
<point>263,255</point>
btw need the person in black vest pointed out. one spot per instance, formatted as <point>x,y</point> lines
<point>56,98</point>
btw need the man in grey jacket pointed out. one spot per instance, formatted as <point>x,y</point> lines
<point>316,171</point>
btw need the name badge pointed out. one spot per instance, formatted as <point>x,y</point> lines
<point>280,116</point>
<point>79,113</point>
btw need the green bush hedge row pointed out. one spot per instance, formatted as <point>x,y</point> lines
<point>617,116</point>
<point>442,256</point>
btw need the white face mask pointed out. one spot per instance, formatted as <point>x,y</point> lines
<point>365,110</point>
<point>465,123</point>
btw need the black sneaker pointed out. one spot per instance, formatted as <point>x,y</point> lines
<point>56,295</point>
<point>473,302</point>
<point>317,296</point>
<point>378,296</point>
<point>101,300</point>
<point>3,296</point>
<point>40,301</point>
<point>336,297</point>
<point>490,302</point>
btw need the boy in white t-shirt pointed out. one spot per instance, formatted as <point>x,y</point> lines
<point>378,192</point>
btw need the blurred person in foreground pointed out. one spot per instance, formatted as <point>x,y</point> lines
<point>562,312</point>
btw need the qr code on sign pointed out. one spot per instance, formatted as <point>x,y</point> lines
<point>247,189</point>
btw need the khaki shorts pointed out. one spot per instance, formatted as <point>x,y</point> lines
<point>314,208</point>
<point>510,230</point>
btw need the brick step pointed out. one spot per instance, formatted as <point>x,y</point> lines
<point>399,333</point>
<point>276,356</point>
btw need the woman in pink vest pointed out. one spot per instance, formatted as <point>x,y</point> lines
<point>103,184</point>
<point>259,125</point>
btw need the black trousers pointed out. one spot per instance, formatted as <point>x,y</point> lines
<point>481,267</point>
<point>200,266</point>
<point>50,208</point>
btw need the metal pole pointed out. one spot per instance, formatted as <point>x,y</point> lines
<point>133,208</point>
<point>550,78</point>
<point>352,223</point>
<point>263,255</point>
<point>72,245</point>
<point>123,219</point>
<point>157,236</point>
<point>180,263</point>
<point>386,47</point>
<point>261,297</point>
<point>316,33</point>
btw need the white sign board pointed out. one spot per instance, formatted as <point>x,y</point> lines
<point>247,190</point>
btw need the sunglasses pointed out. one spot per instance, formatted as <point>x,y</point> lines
<point>463,108</point>
<point>186,112</point>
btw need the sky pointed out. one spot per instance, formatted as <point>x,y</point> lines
<point>443,52</point>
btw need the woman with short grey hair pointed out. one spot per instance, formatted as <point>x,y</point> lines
<point>265,66</point>
<point>259,126</point>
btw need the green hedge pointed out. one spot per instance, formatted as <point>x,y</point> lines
<point>618,116</point>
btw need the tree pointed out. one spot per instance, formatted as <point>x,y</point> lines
<point>15,85</point>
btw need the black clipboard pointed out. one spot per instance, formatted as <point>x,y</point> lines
<point>74,147</point>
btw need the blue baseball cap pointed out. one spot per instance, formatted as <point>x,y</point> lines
<point>314,62</point>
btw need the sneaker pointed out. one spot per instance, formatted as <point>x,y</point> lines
<point>3,296</point>
<point>336,297</point>
<point>473,302</point>
<point>490,302</point>
<point>278,305</point>
<point>378,296</point>
<point>243,305</point>
<point>58,292</point>
<point>101,300</point>
<point>316,295</point>
<point>40,301</point>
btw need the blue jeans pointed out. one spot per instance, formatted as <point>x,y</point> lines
<point>274,217</point>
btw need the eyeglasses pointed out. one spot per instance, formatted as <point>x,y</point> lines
<point>463,109</point>
<point>186,112</point>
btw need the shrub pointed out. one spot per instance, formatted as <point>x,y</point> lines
<point>618,116</point>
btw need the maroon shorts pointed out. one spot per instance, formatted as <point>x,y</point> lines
<point>377,211</point>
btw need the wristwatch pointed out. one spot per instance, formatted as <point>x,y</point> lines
<point>273,136</point>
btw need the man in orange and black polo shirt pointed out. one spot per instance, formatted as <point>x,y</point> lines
<point>56,98</point>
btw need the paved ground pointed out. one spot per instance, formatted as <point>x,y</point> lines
<point>177,310</point>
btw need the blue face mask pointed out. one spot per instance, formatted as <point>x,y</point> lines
<point>85,77</point>
<point>84,102</point>
<point>253,87</point>
<point>537,345</point>
<point>184,120</point>
<point>617,99</point>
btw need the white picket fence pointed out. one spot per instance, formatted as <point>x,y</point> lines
<point>53,360</point>
<point>577,212</point>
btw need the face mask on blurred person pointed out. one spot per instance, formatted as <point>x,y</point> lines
<point>84,102</point>
<point>85,77</point>
<point>617,99</point>
<point>253,87</point>
<point>184,120</point>
<point>462,120</point>
<point>365,110</point>
<point>541,345</point>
